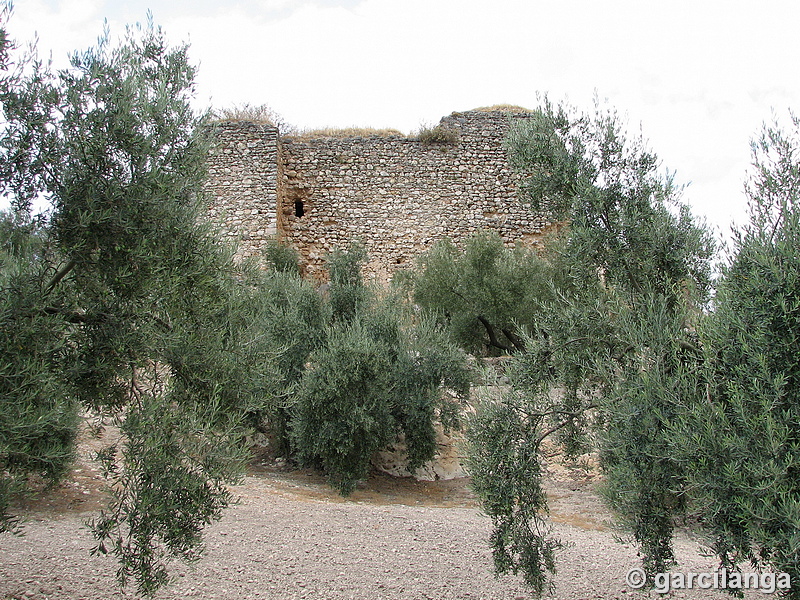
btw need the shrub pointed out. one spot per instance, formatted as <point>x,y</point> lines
<point>379,374</point>
<point>347,295</point>
<point>342,414</point>
<point>482,294</point>
<point>438,136</point>
<point>281,258</point>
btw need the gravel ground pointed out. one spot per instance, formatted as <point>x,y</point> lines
<point>290,537</point>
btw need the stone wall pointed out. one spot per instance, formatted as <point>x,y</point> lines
<point>242,184</point>
<point>396,195</point>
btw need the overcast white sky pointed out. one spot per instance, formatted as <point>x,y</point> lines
<point>698,76</point>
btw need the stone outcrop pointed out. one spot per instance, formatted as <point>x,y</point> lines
<point>447,463</point>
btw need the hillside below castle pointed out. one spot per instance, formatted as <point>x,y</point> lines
<point>397,195</point>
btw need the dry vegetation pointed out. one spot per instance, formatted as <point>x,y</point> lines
<point>438,135</point>
<point>507,108</point>
<point>247,113</point>
<point>262,114</point>
<point>345,132</point>
<point>426,134</point>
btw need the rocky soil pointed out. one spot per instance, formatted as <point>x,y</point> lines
<point>291,537</point>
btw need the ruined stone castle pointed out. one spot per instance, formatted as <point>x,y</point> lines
<point>397,195</point>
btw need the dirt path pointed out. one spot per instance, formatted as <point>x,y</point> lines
<point>291,537</point>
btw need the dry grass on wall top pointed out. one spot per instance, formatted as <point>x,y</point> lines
<point>345,132</point>
<point>426,135</point>
<point>248,113</point>
<point>438,135</point>
<point>509,108</point>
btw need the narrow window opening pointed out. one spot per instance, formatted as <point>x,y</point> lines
<point>298,208</point>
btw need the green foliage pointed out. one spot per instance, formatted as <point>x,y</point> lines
<point>29,101</point>
<point>692,414</point>
<point>294,325</point>
<point>484,294</point>
<point>343,410</point>
<point>287,322</point>
<point>224,353</point>
<point>281,258</point>
<point>507,477</point>
<point>38,413</point>
<point>431,382</point>
<point>741,444</point>
<point>608,357</point>
<point>171,482</point>
<point>379,375</point>
<point>645,482</point>
<point>586,170</point>
<point>122,303</point>
<point>347,293</point>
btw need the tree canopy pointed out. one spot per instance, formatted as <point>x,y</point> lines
<point>738,444</point>
<point>687,395</point>
<point>482,294</point>
<point>122,302</point>
<point>607,352</point>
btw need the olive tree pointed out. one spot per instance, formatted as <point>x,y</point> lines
<point>482,294</point>
<point>739,444</point>
<point>123,303</point>
<point>380,374</point>
<point>610,354</point>
<point>38,410</point>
